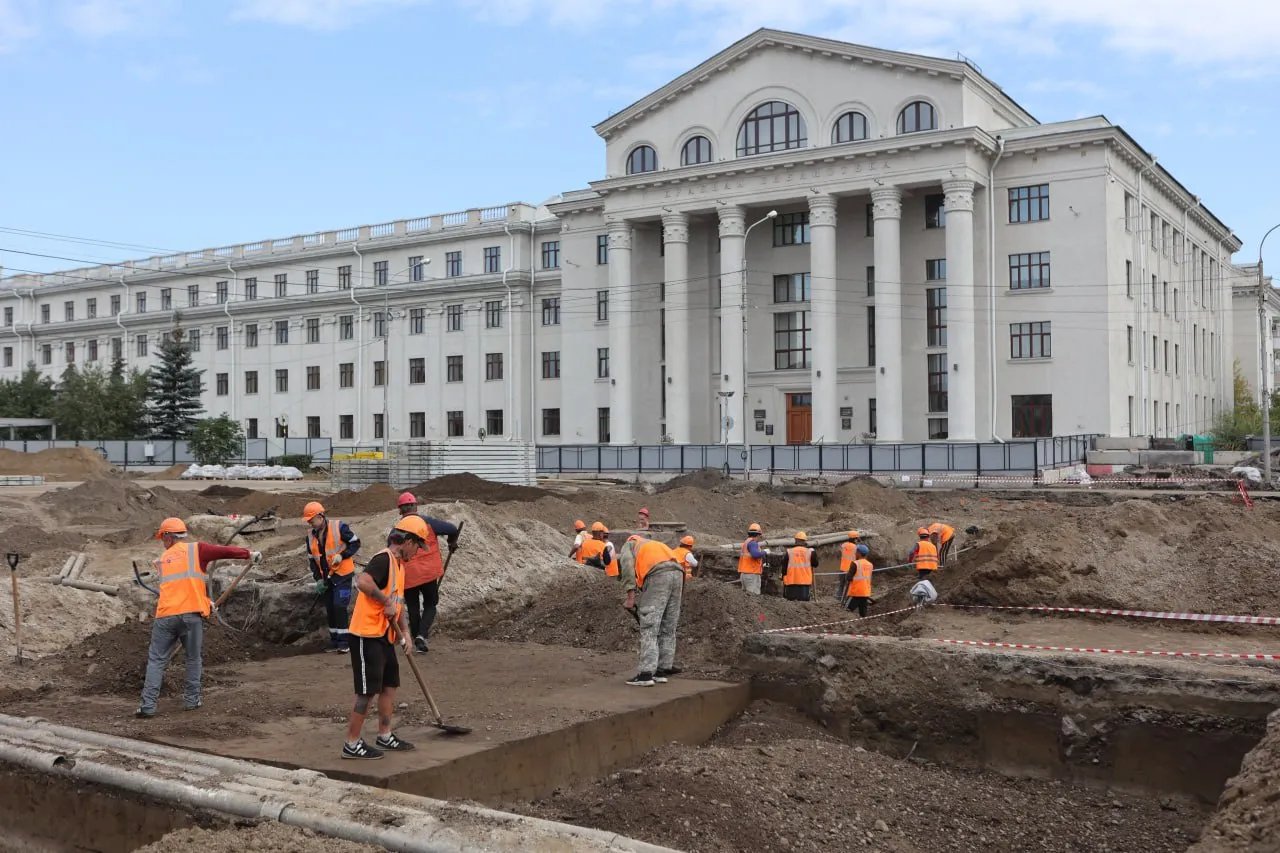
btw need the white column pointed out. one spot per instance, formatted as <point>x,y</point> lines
<point>823,319</point>
<point>733,271</point>
<point>675,235</point>
<point>887,210</point>
<point>962,332</point>
<point>621,428</point>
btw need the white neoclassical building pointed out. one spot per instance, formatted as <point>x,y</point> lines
<point>798,240</point>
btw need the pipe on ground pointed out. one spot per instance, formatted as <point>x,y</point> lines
<point>66,568</point>
<point>91,586</point>
<point>78,566</point>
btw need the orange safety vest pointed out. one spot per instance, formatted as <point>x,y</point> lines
<point>325,551</point>
<point>747,564</point>
<point>426,565</point>
<point>848,554</point>
<point>926,558</point>
<point>650,555</point>
<point>681,553</point>
<point>799,567</point>
<point>182,581</point>
<point>589,548</point>
<point>860,583</point>
<point>945,533</point>
<point>369,618</point>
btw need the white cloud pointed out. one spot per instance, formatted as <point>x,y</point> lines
<point>102,18</point>
<point>17,23</point>
<point>312,14</point>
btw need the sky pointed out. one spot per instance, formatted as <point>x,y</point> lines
<point>178,126</point>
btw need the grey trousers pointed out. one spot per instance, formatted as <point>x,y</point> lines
<point>166,633</point>
<point>659,608</point>
<point>751,583</point>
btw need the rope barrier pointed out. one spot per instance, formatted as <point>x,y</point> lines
<point>1137,614</point>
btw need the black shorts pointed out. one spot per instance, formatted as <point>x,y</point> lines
<point>373,664</point>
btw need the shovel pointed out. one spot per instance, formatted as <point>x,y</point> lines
<point>439,722</point>
<point>444,571</point>
<point>13,559</point>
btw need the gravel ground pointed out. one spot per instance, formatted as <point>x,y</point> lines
<point>263,838</point>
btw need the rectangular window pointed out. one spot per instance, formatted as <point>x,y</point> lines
<point>141,342</point>
<point>346,327</point>
<point>493,314</point>
<point>46,352</point>
<point>282,381</point>
<point>69,312</point>
<point>417,425</point>
<point>313,282</point>
<point>1165,346</point>
<point>454,424</point>
<point>282,285</point>
<point>793,287</point>
<point>115,309</point>
<point>550,421</point>
<point>1175,304</point>
<point>551,255</point>
<point>347,374</point>
<point>1031,340</point>
<point>1155,293</point>
<point>344,277</point>
<point>141,304</point>
<point>1032,415</point>
<point>1177,359</point>
<point>8,317</point>
<point>117,349</point>
<point>223,384</point>
<point>871,220</point>
<point>193,340</point>
<point>937,383</point>
<point>313,377</point>
<point>936,316</point>
<point>251,428</point>
<point>381,273</point>
<point>602,425</point>
<point>1128,279</point>
<point>453,264</point>
<point>1164,298</point>
<point>551,311</point>
<point>417,371</point>
<point>251,382</point>
<point>1029,204</point>
<point>791,341</point>
<point>871,415</point>
<point>379,427</point>
<point>379,374</point>
<point>1129,212</point>
<point>416,268</point>
<point>70,352</point>
<point>453,368</point>
<point>493,421</point>
<point>602,306</point>
<point>871,336</point>
<point>602,249</point>
<point>935,211</point>
<point>92,354</point>
<point>417,321</point>
<point>282,331</point>
<point>313,426</point>
<point>492,366</point>
<point>935,270</point>
<point>1029,271</point>
<point>602,362</point>
<point>193,295</point>
<point>871,281</point>
<point>346,426</point>
<point>250,288</point>
<point>791,229</point>
<point>8,356</point>
<point>492,259</point>
<point>1129,341</point>
<point>379,324</point>
<point>166,299</point>
<point>551,365</point>
<point>937,429</point>
<point>453,318</point>
<point>220,292</point>
<point>313,330</point>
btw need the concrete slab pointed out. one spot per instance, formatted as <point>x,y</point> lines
<point>1121,443</point>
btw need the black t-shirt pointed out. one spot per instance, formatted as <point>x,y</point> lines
<point>379,569</point>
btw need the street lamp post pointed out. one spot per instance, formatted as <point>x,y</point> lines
<point>1264,359</point>
<point>746,445</point>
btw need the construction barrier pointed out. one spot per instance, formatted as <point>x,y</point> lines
<point>1137,614</point>
<point>841,622</point>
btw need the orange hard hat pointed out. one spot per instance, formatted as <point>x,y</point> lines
<point>644,510</point>
<point>579,525</point>
<point>604,529</point>
<point>923,531</point>
<point>635,536</point>
<point>311,510</point>
<point>687,541</point>
<point>801,536</point>
<point>754,528</point>
<point>598,527</point>
<point>414,526</point>
<point>406,499</point>
<point>853,534</point>
<point>173,527</point>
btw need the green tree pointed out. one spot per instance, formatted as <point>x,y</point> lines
<point>31,395</point>
<point>127,395</point>
<point>215,441</point>
<point>175,386</point>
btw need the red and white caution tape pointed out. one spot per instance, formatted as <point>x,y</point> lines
<point>841,622</point>
<point>1036,648</point>
<point>1137,614</point>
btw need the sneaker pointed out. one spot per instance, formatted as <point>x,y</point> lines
<point>360,750</point>
<point>197,706</point>
<point>342,650</point>
<point>420,643</point>
<point>390,741</point>
<point>642,679</point>
<point>142,714</point>
<point>660,677</point>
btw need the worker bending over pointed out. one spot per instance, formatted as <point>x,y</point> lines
<point>688,562</point>
<point>924,556</point>
<point>943,537</point>
<point>377,622</point>
<point>797,583</point>
<point>180,613</point>
<point>858,581</point>
<point>580,535</point>
<point>423,573</point>
<point>598,552</point>
<point>650,567</point>
<point>332,545</point>
<point>751,561</point>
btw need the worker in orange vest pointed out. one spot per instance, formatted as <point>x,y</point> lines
<point>598,551</point>
<point>797,583</point>
<point>924,556</point>
<point>943,537</point>
<point>688,562</point>
<point>751,561</point>
<point>580,535</point>
<point>377,623</point>
<point>652,569</point>
<point>423,573</point>
<point>180,613</point>
<point>332,545</point>
<point>858,582</point>
<point>848,553</point>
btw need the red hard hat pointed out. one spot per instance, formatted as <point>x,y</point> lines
<point>644,510</point>
<point>406,499</point>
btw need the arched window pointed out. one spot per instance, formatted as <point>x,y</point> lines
<point>696,150</point>
<point>642,159</point>
<point>775,126</point>
<point>917,116</point>
<point>850,127</point>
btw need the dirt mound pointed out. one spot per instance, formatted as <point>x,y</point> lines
<point>703,478</point>
<point>266,837</point>
<point>29,539</point>
<point>1247,820</point>
<point>59,463</point>
<point>113,502</point>
<point>370,500</point>
<point>54,617</point>
<point>287,504</point>
<point>469,487</point>
<point>863,494</point>
<point>222,492</point>
<point>173,472</point>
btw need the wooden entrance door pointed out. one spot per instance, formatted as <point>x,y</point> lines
<point>799,418</point>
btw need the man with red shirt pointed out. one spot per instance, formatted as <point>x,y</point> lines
<point>423,572</point>
<point>183,606</point>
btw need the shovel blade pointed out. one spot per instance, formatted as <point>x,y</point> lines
<point>450,729</point>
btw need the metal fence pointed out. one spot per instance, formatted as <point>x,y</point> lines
<point>1025,457</point>
<point>165,453</point>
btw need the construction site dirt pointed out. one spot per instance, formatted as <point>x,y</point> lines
<point>531,645</point>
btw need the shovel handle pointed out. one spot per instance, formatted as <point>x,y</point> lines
<point>422,682</point>
<point>17,610</point>
<point>227,592</point>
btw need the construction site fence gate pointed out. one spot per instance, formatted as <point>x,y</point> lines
<point>1019,457</point>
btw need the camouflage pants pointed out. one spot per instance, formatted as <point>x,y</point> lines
<point>751,583</point>
<point>659,610</point>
